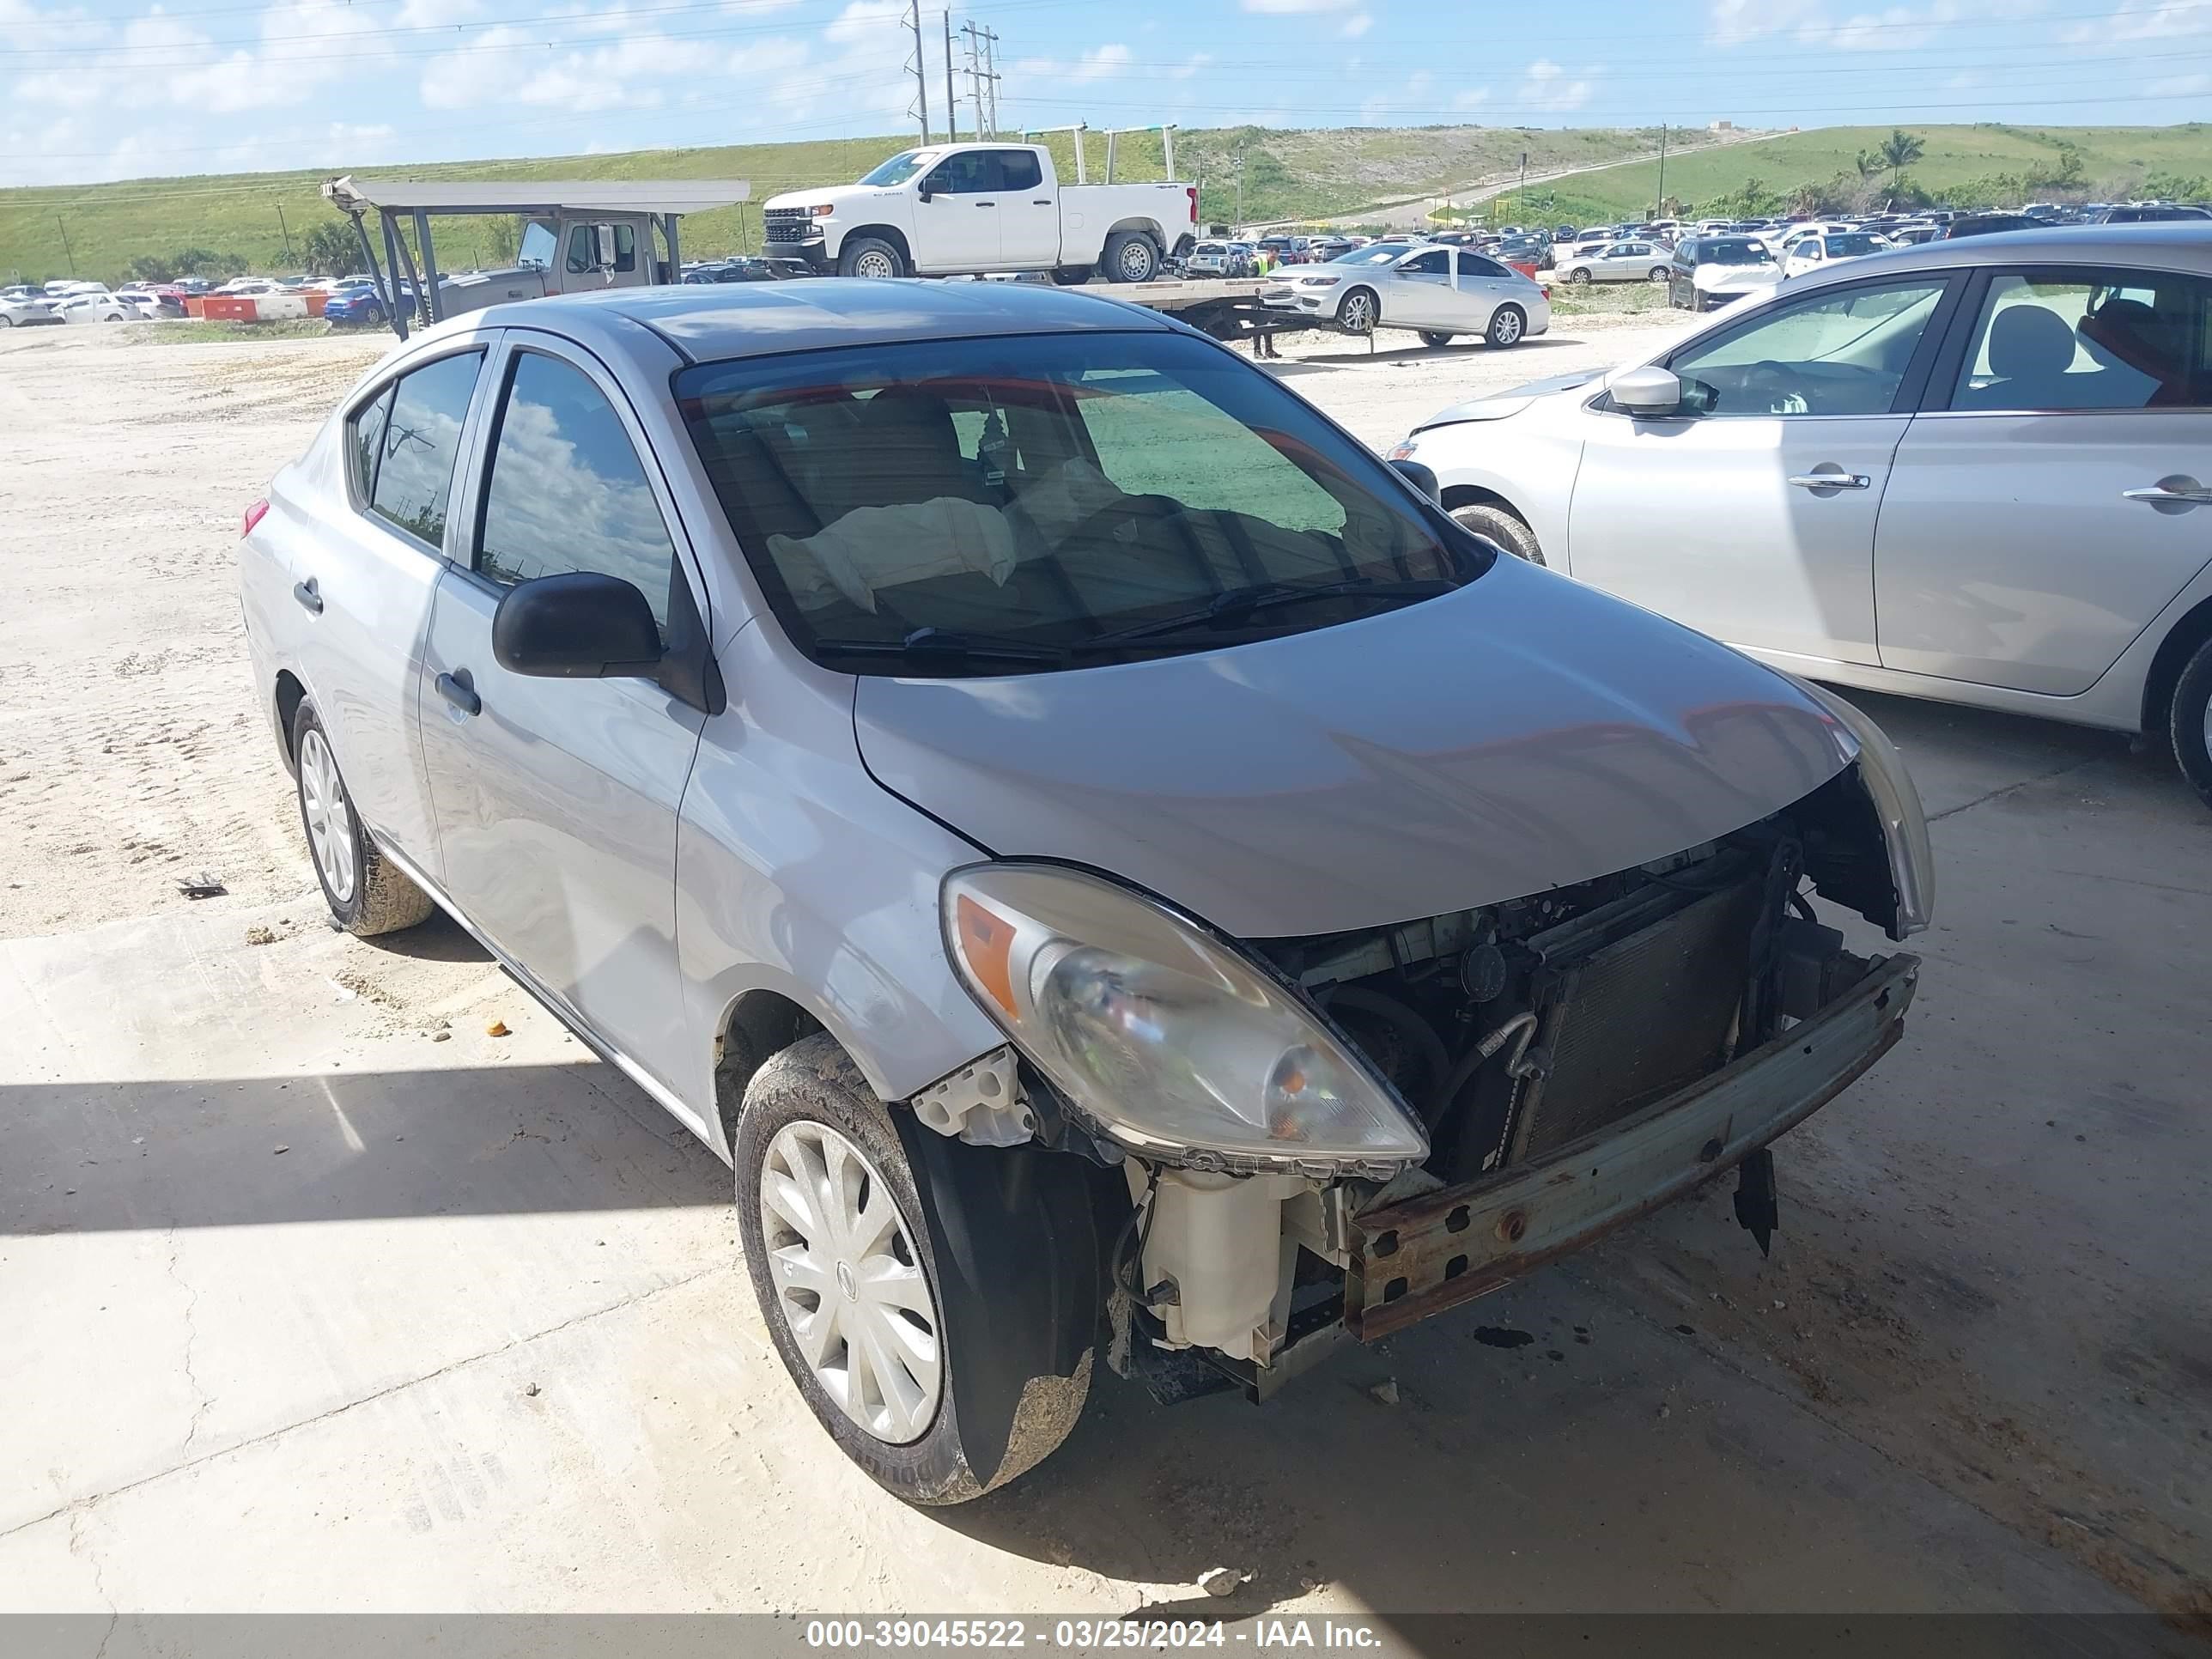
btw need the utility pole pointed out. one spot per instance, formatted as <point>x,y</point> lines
<point>1520,205</point>
<point>66,254</point>
<point>920,67</point>
<point>991,77</point>
<point>1659,212</point>
<point>980,76</point>
<point>952,104</point>
<point>288,257</point>
<point>1239,225</point>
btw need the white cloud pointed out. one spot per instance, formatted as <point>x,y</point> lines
<point>1190,66</point>
<point>1357,24</point>
<point>863,20</point>
<point>1097,63</point>
<point>1547,88</point>
<point>1472,98</point>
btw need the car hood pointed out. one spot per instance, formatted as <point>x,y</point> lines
<point>1521,733</point>
<point>1499,404</point>
<point>839,195</point>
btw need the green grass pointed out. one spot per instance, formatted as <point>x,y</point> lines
<point>1299,175</point>
<point>199,333</point>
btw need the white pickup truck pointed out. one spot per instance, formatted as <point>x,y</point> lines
<point>964,210</point>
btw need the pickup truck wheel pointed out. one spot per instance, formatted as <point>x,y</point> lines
<point>1071,275</point>
<point>365,894</point>
<point>870,256</point>
<point>2190,721</point>
<point>936,1304</point>
<point>1507,325</point>
<point>1430,337</point>
<point>1132,257</point>
<point>1506,528</point>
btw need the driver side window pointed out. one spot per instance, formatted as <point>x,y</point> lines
<point>969,173</point>
<point>1830,354</point>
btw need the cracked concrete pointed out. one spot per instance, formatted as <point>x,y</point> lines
<point>192,1338</point>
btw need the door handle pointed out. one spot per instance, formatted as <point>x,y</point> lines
<point>456,689</point>
<point>1041,201</point>
<point>1831,480</point>
<point>309,596</point>
<point>2179,490</point>
<point>986,204</point>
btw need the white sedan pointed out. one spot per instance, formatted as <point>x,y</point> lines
<point>21,310</point>
<point>1639,261</point>
<point>1820,249</point>
<point>1440,292</point>
<point>1977,470</point>
<point>101,307</point>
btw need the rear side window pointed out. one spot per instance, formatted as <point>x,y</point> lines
<point>1473,264</point>
<point>365,441</point>
<point>568,491</point>
<point>2117,339</point>
<point>421,442</point>
<point>1018,170</point>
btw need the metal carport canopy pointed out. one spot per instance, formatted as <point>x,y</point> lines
<point>538,195</point>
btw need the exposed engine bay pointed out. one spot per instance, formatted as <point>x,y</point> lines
<point>1513,1031</point>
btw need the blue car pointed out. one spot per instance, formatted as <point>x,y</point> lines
<point>355,306</point>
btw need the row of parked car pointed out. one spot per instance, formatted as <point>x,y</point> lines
<point>22,305</point>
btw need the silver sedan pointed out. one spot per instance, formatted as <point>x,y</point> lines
<point>1440,292</point>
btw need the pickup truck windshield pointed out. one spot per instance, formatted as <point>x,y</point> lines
<point>900,168</point>
<point>1037,503</point>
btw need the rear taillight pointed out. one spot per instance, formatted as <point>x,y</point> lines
<point>254,514</point>
<point>1192,192</point>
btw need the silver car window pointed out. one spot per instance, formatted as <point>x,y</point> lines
<point>568,491</point>
<point>1830,353</point>
<point>2072,340</point>
<point>421,441</point>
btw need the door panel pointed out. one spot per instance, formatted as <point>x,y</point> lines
<point>1762,561</point>
<point>2027,540</point>
<point>1417,292</point>
<point>957,228</point>
<point>1029,212</point>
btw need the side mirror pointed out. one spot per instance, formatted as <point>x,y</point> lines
<point>602,246</point>
<point>1647,394</point>
<point>579,626</point>
<point>1422,479</point>
<point>925,190</point>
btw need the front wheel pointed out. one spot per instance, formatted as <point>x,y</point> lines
<point>1071,275</point>
<point>1508,529</point>
<point>1579,278</point>
<point>870,256</point>
<point>2190,721</point>
<point>1507,325</point>
<point>936,1304</point>
<point>1131,257</point>
<point>1659,273</point>
<point>1435,338</point>
<point>1359,312</point>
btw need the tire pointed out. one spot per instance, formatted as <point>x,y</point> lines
<point>2189,721</point>
<point>1508,327</point>
<point>366,895</point>
<point>1658,273</point>
<point>1508,529</point>
<point>1358,312</point>
<point>999,1245</point>
<point>1071,275</point>
<point>1131,257</point>
<point>871,257</point>
<point>1435,338</point>
<point>1580,279</point>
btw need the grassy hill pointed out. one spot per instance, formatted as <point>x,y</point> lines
<point>1286,174</point>
<point>1986,164</point>
<point>245,218</point>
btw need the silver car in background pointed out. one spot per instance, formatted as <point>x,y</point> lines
<point>1976,471</point>
<point>1439,291</point>
<point>1114,867</point>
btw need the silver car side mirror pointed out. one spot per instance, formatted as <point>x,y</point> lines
<point>1649,392</point>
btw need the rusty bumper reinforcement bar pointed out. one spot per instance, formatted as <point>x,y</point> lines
<point>1433,1252</point>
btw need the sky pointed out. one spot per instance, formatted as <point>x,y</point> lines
<point>102,90</point>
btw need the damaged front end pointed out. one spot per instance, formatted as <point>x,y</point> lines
<point>1576,1057</point>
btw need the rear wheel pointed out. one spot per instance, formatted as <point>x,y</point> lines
<point>1580,277</point>
<point>1359,312</point>
<point>1658,273</point>
<point>1131,257</point>
<point>870,256</point>
<point>1507,325</point>
<point>1430,337</point>
<point>1503,525</point>
<point>935,1302</point>
<point>365,894</point>
<point>2190,721</point>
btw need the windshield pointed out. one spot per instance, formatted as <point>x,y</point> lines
<point>1840,247</point>
<point>1734,253</point>
<point>900,168</point>
<point>1374,253</point>
<point>948,508</point>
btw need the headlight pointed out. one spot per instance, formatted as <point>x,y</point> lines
<point>1897,803</point>
<point>1320,281</point>
<point>1166,1039</point>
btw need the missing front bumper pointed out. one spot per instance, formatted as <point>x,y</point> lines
<point>1427,1254</point>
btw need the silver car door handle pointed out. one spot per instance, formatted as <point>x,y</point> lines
<point>456,689</point>
<point>1831,480</point>
<point>2175,493</point>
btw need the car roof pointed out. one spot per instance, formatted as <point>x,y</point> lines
<point>710,322</point>
<point>2179,245</point>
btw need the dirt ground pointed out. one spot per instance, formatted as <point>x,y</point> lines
<point>320,1296</point>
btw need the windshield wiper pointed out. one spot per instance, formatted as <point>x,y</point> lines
<point>1238,603</point>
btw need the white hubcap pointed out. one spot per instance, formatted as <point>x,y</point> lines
<point>330,825</point>
<point>849,1282</point>
<point>1508,329</point>
<point>872,265</point>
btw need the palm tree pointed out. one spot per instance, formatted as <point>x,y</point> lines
<point>1900,150</point>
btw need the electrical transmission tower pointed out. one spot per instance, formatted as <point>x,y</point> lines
<point>918,66</point>
<point>982,79</point>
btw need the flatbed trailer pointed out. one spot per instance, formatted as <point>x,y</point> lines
<point>1228,308</point>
